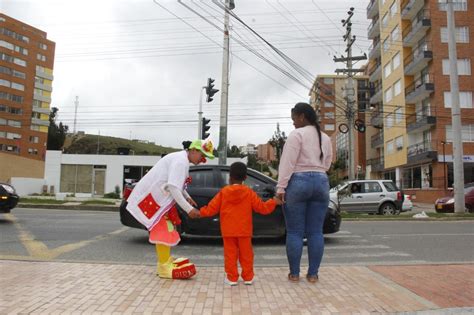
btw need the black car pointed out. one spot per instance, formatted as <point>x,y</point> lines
<point>8,198</point>
<point>207,180</point>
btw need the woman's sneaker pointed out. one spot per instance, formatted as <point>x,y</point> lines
<point>231,283</point>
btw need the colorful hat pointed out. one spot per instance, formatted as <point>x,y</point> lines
<point>204,146</point>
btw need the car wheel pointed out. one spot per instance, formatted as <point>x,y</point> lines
<point>388,209</point>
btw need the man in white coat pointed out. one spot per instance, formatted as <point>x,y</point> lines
<point>152,202</point>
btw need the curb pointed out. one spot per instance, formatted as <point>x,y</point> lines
<point>69,207</point>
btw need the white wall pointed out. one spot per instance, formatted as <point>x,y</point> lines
<point>27,186</point>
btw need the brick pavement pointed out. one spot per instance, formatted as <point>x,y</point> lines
<point>74,288</point>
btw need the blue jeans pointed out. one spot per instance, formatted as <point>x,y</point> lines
<point>307,199</point>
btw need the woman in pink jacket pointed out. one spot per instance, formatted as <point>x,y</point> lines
<point>304,188</point>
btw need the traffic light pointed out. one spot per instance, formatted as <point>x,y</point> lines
<point>205,128</point>
<point>210,90</point>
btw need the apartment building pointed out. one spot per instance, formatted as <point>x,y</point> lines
<point>26,75</point>
<point>411,139</point>
<point>328,97</point>
<point>266,152</point>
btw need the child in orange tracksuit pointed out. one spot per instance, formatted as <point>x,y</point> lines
<point>235,203</point>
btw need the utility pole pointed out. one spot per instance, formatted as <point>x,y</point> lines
<point>350,91</point>
<point>224,89</point>
<point>455,112</point>
<point>76,104</point>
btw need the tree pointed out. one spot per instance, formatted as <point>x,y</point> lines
<point>233,151</point>
<point>56,133</point>
<point>278,141</point>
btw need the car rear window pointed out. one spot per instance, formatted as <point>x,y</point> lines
<point>390,186</point>
<point>202,178</point>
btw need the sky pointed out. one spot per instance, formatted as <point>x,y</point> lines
<point>138,66</point>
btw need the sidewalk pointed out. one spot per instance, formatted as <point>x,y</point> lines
<point>58,288</point>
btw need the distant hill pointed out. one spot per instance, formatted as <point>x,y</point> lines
<point>87,144</point>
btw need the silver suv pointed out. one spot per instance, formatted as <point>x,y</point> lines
<point>368,196</point>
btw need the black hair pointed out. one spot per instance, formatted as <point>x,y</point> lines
<point>238,171</point>
<point>311,116</point>
<point>186,144</point>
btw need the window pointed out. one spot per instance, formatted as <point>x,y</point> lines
<point>14,123</point>
<point>76,178</point>
<point>389,121</point>
<point>388,95</point>
<point>32,151</point>
<point>5,83</point>
<point>399,143</point>
<point>19,74</point>
<point>462,34</point>
<point>396,61</point>
<point>397,88</point>
<point>18,86</point>
<point>467,133</point>
<point>395,35</point>
<point>465,100</point>
<point>464,66</point>
<point>459,5</point>
<point>203,178</point>
<point>43,46</point>
<point>387,69</point>
<point>393,8</point>
<point>390,186</point>
<point>329,115</point>
<point>41,57</point>
<point>328,80</point>
<point>19,62</point>
<point>13,136</point>
<point>34,139</point>
<point>385,20</point>
<point>36,115</point>
<point>390,146</point>
<point>372,187</point>
<point>328,104</point>
<point>329,127</point>
<point>6,45</point>
<point>386,44</point>
<point>398,115</point>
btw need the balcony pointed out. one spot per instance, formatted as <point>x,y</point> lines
<point>377,97</point>
<point>42,110</point>
<point>421,153</point>
<point>372,9</point>
<point>377,164</point>
<point>377,120</point>
<point>410,8</point>
<point>375,72</point>
<point>420,121</point>
<point>374,28</point>
<point>374,49</point>
<point>377,140</point>
<point>419,90</point>
<point>41,122</point>
<point>417,30</point>
<point>418,60</point>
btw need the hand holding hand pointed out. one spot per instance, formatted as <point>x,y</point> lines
<point>281,196</point>
<point>194,213</point>
<point>278,201</point>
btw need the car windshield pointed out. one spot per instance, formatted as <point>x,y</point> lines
<point>338,187</point>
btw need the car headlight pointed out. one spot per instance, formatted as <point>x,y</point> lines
<point>8,188</point>
<point>450,201</point>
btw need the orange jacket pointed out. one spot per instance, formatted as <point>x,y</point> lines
<point>235,203</point>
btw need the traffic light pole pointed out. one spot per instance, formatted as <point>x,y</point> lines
<point>225,95</point>
<point>200,114</point>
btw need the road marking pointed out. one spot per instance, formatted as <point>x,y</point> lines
<point>39,250</point>
<point>427,234</point>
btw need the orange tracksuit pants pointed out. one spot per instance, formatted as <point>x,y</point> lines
<point>238,248</point>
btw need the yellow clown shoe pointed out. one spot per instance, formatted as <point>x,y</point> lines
<point>180,270</point>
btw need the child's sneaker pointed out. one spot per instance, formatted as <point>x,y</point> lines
<point>231,283</point>
<point>250,282</point>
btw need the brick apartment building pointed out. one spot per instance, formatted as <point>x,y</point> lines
<point>411,134</point>
<point>26,75</point>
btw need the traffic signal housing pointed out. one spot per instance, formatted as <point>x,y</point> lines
<point>205,128</point>
<point>210,90</point>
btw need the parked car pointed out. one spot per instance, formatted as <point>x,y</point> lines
<point>446,204</point>
<point>407,204</point>
<point>8,198</point>
<point>368,196</point>
<point>207,180</point>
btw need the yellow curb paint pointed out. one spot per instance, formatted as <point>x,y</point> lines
<point>39,250</point>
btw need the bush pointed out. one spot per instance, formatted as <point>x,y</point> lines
<point>115,194</point>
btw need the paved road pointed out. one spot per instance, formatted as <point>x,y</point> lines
<point>87,236</point>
